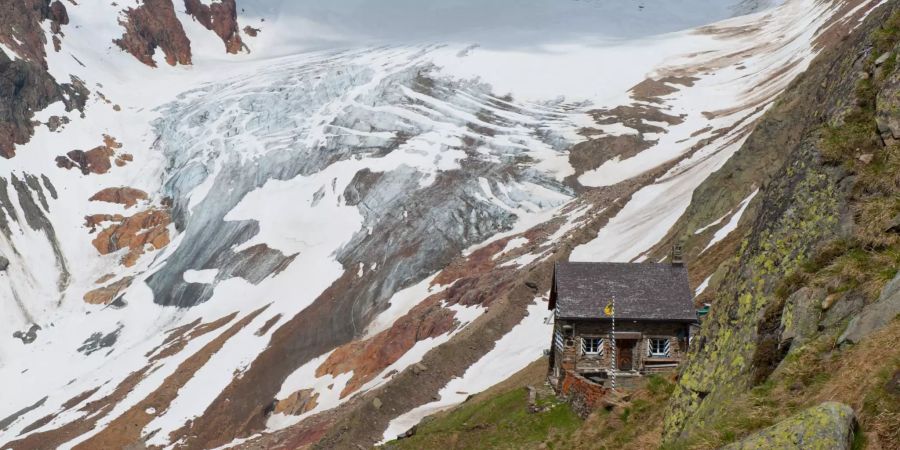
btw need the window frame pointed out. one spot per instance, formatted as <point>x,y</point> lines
<point>600,341</point>
<point>666,347</point>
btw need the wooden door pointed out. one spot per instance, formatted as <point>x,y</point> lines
<point>625,354</point>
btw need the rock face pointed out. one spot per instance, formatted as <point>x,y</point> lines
<point>219,17</point>
<point>26,87</point>
<point>809,200</point>
<point>136,233</point>
<point>297,403</point>
<point>426,320</point>
<point>107,294</point>
<point>876,315</point>
<point>803,311</point>
<point>153,25</point>
<point>22,32</point>
<point>97,160</point>
<point>888,102</point>
<point>122,195</point>
<point>827,426</point>
<point>32,198</point>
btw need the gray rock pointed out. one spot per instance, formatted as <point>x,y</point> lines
<point>876,315</point>
<point>887,103</point>
<point>829,425</point>
<point>802,314</point>
<point>4,264</point>
<point>98,341</point>
<point>29,336</point>
<point>844,307</point>
<point>376,402</point>
<point>883,58</point>
<point>894,225</point>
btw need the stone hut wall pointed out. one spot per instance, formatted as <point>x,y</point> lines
<point>582,394</point>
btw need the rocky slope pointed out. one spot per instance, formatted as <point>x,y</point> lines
<point>280,249</point>
<point>796,352</point>
<point>820,243</point>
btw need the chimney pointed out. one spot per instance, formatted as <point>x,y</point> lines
<point>677,260</point>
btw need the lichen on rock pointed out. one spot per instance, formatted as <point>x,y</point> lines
<point>826,426</point>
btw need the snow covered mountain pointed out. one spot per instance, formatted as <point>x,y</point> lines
<point>279,224</point>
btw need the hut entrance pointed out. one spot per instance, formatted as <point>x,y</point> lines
<point>625,353</point>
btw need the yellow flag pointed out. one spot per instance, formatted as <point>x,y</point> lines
<point>608,310</point>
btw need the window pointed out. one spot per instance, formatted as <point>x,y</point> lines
<point>558,339</point>
<point>592,346</point>
<point>658,347</point>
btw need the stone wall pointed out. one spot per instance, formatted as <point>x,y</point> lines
<point>582,394</point>
<point>571,358</point>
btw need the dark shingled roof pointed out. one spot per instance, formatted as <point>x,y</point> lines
<point>642,291</point>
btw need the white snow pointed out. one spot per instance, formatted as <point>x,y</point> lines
<point>702,286</point>
<point>206,276</point>
<point>732,224</point>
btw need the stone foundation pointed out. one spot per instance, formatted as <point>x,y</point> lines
<point>583,394</point>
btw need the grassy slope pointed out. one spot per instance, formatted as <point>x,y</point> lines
<point>498,418</point>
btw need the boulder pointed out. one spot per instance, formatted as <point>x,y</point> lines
<point>886,106</point>
<point>4,264</point>
<point>802,313</point>
<point>876,315</point>
<point>894,225</point>
<point>883,58</point>
<point>845,308</point>
<point>829,425</point>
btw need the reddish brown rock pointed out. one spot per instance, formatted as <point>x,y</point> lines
<point>250,31</point>
<point>135,233</point>
<point>297,403</point>
<point>481,260</point>
<point>105,278</point>
<point>95,160</point>
<point>368,358</point>
<point>219,17</point>
<point>106,294</point>
<point>122,195</point>
<point>154,25</point>
<point>21,29</point>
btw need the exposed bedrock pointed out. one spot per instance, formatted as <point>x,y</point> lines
<point>151,25</point>
<point>219,17</point>
<point>809,200</point>
<point>32,201</point>
<point>21,30</point>
<point>26,87</point>
<point>829,425</point>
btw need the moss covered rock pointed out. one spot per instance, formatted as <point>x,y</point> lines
<point>828,426</point>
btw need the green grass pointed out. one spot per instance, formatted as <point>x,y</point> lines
<point>499,422</point>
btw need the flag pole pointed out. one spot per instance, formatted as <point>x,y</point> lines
<point>612,371</point>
